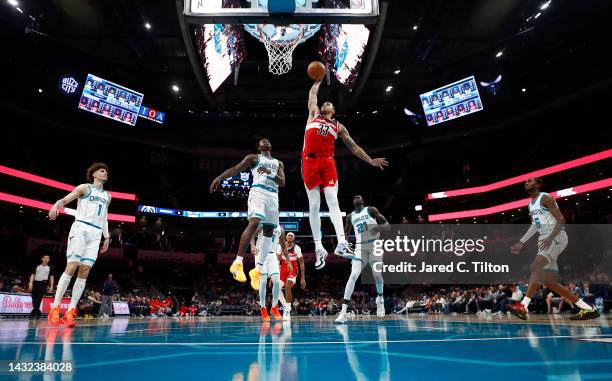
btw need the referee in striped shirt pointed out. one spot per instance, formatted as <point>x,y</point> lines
<point>41,281</point>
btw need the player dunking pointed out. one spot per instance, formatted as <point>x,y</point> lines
<point>367,222</point>
<point>268,175</point>
<point>547,220</point>
<point>90,224</point>
<point>319,170</point>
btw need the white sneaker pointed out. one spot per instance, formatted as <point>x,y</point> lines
<point>321,254</point>
<point>344,249</point>
<point>341,319</point>
<point>286,315</point>
<point>380,306</point>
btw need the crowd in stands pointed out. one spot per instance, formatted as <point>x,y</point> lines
<point>495,300</point>
<point>221,296</point>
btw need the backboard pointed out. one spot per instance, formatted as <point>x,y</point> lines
<point>257,12</point>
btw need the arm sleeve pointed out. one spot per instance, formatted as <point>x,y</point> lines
<point>298,251</point>
<point>105,223</point>
<point>530,232</point>
<point>105,228</point>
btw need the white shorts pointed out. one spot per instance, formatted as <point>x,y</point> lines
<point>552,253</point>
<point>365,253</point>
<point>83,243</point>
<point>263,205</point>
<point>271,266</point>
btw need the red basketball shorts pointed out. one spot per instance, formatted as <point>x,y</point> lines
<point>285,275</point>
<point>319,172</point>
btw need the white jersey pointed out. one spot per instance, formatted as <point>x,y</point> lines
<point>362,221</point>
<point>91,208</point>
<point>295,252</point>
<point>275,239</point>
<point>263,181</point>
<point>541,217</point>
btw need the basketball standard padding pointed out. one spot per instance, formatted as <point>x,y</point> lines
<point>316,70</point>
<point>281,6</point>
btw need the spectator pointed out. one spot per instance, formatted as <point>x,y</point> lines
<point>517,296</point>
<point>109,289</point>
<point>587,294</point>
<point>86,305</point>
<point>96,301</point>
<point>473,303</point>
<point>552,299</point>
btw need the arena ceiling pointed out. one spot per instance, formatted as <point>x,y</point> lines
<point>451,39</point>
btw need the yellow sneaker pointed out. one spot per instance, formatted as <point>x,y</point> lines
<point>238,272</point>
<point>255,275</point>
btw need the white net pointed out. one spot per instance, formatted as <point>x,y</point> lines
<point>280,52</point>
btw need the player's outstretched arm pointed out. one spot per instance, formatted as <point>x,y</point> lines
<point>105,232</point>
<point>380,162</point>
<point>383,224</point>
<point>248,162</point>
<point>313,102</point>
<point>77,192</point>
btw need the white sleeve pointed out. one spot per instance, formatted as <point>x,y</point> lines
<point>530,232</point>
<point>298,251</point>
<point>105,232</point>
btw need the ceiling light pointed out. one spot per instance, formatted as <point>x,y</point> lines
<point>375,112</point>
<point>499,54</point>
<point>389,88</point>
<point>418,208</point>
<point>415,27</point>
<point>408,112</point>
<point>397,72</point>
<point>524,90</point>
<point>175,88</point>
<point>538,15</point>
<point>40,91</point>
<point>14,3</point>
<point>545,5</point>
<point>147,25</point>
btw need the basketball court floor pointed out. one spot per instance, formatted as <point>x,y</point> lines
<point>399,347</point>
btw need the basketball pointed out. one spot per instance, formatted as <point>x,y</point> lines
<point>316,70</point>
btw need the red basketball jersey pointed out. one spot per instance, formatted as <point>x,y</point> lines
<point>320,136</point>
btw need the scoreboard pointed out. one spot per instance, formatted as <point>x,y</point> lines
<point>152,114</point>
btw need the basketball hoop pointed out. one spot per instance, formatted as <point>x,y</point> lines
<point>280,42</point>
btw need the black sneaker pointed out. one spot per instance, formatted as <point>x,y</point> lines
<point>586,315</point>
